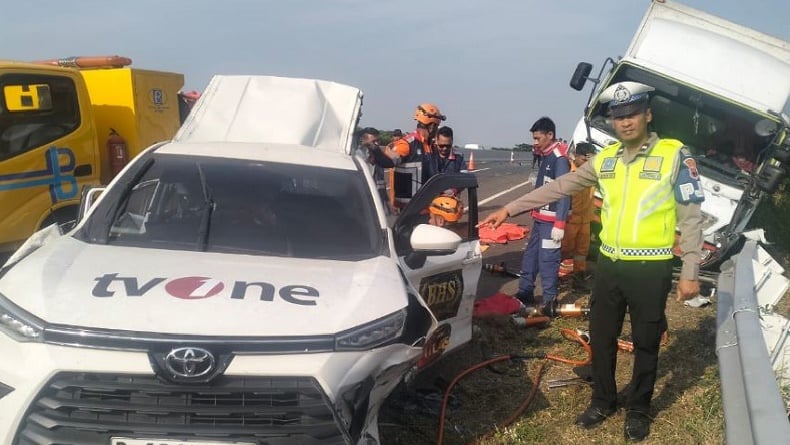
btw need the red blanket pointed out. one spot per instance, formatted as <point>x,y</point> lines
<point>497,304</point>
<point>502,234</point>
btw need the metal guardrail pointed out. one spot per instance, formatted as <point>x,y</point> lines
<point>754,412</point>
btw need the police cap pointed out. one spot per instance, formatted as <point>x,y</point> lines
<point>626,98</point>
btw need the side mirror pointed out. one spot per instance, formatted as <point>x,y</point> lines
<point>427,240</point>
<point>432,240</point>
<point>89,196</point>
<point>581,75</point>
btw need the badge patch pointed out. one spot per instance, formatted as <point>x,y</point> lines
<point>686,191</point>
<point>442,293</point>
<point>692,166</point>
<point>608,164</point>
<point>656,176</point>
<point>606,175</point>
<point>653,164</point>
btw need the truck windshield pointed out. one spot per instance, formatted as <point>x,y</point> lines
<point>720,133</point>
<point>246,207</point>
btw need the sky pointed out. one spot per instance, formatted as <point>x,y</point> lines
<point>493,67</point>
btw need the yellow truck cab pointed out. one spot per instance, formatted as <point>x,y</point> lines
<point>54,128</point>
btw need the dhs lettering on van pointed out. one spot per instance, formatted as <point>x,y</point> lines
<point>194,288</point>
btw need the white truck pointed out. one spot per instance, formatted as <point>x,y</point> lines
<point>473,147</point>
<point>720,88</point>
<point>239,285</point>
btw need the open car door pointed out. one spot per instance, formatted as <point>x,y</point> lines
<point>447,282</point>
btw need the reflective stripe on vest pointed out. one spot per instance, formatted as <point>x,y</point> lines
<point>638,215</point>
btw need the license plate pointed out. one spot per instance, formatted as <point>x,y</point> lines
<point>165,441</point>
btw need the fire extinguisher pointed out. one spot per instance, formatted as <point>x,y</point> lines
<point>119,154</point>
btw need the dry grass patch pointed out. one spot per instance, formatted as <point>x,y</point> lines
<point>686,404</point>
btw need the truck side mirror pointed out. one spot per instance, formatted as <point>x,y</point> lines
<point>581,75</point>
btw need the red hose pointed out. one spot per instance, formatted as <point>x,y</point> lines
<point>455,380</point>
<point>569,334</point>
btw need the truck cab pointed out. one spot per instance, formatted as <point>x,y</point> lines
<point>54,123</point>
<point>720,88</point>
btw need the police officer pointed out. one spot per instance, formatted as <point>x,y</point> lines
<point>634,268</point>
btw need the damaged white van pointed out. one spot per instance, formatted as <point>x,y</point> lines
<point>720,88</point>
<point>237,285</point>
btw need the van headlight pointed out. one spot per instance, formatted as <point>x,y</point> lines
<point>18,324</point>
<point>372,334</point>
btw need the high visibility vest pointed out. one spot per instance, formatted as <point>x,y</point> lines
<point>638,215</point>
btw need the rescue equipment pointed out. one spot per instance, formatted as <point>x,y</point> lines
<point>568,334</point>
<point>117,151</point>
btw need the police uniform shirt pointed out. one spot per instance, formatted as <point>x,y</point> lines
<point>689,215</point>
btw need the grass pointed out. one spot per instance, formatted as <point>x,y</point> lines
<point>686,404</point>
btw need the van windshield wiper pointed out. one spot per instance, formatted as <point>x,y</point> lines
<point>208,210</point>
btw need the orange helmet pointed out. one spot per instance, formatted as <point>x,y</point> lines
<point>427,114</point>
<point>448,207</point>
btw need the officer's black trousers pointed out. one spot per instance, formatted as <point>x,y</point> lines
<point>641,287</point>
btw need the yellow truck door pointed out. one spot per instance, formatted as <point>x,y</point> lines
<point>47,148</point>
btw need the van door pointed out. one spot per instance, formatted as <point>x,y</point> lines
<point>446,283</point>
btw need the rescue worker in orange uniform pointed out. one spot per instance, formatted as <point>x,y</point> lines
<point>407,154</point>
<point>576,243</point>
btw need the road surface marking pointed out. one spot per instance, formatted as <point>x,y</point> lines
<point>491,198</point>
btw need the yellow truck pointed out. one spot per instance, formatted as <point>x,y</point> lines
<point>60,126</point>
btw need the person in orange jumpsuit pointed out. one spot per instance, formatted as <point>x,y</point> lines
<point>576,243</point>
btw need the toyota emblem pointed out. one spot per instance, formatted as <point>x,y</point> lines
<point>190,362</point>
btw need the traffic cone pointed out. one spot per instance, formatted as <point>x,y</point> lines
<point>471,165</point>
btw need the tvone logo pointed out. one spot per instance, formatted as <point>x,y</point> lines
<point>195,288</point>
<point>190,288</point>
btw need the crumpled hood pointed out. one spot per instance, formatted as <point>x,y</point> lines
<point>73,283</point>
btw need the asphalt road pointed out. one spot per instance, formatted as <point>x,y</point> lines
<point>500,181</point>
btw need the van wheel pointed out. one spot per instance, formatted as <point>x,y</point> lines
<point>64,217</point>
